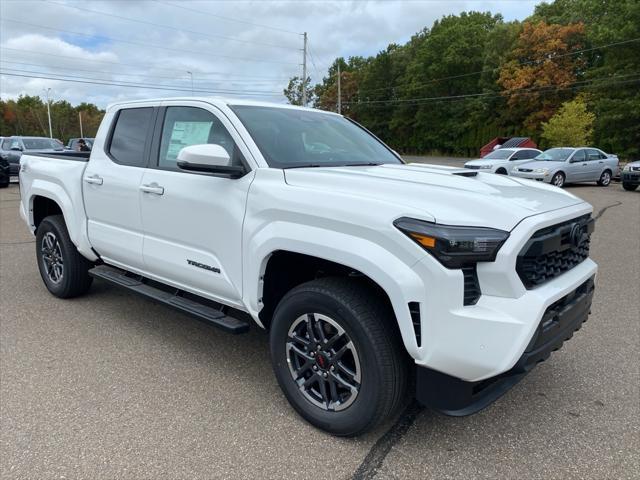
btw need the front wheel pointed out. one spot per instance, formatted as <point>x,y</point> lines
<point>63,270</point>
<point>630,187</point>
<point>558,180</point>
<point>605,179</point>
<point>337,355</point>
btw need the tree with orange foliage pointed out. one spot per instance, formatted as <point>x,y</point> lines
<point>541,63</point>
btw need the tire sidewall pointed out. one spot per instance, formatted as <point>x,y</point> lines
<point>359,413</point>
<point>47,225</point>
<point>603,182</point>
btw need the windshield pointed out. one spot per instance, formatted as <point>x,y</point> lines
<point>498,155</point>
<point>297,138</point>
<point>40,144</point>
<point>555,154</point>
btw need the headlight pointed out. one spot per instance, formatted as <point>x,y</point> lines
<point>541,170</point>
<point>453,246</point>
<point>485,167</point>
<point>626,168</point>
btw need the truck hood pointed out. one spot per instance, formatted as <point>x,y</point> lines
<point>446,195</point>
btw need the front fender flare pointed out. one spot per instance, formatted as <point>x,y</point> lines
<point>393,275</point>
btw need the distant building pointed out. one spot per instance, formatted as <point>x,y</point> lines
<point>507,142</point>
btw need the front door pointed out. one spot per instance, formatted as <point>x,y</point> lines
<point>110,188</point>
<point>577,167</point>
<point>193,222</point>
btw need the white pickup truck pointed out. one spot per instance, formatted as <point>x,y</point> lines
<point>366,271</point>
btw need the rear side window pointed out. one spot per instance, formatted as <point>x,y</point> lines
<point>130,136</point>
<point>530,153</point>
<point>594,154</point>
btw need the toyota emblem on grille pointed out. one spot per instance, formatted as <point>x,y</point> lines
<point>577,231</point>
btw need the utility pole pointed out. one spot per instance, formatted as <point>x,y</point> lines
<point>304,72</point>
<point>339,90</point>
<point>80,119</point>
<point>47,90</point>
<point>191,75</point>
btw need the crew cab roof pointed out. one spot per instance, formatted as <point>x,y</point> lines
<point>218,101</point>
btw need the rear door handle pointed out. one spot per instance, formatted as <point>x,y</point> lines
<point>600,161</point>
<point>94,179</point>
<point>152,188</point>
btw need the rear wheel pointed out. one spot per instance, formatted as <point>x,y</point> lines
<point>63,270</point>
<point>605,178</point>
<point>337,356</point>
<point>558,179</point>
<point>629,186</point>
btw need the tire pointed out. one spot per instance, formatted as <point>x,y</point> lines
<point>629,187</point>
<point>380,364</point>
<point>605,179</point>
<point>558,179</point>
<point>501,171</point>
<point>63,270</point>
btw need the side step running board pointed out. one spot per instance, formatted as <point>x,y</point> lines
<point>172,299</point>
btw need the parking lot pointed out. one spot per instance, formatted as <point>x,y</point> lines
<point>110,386</point>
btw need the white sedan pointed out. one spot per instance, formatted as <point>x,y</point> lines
<point>503,160</point>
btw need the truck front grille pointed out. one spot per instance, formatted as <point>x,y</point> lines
<point>554,250</point>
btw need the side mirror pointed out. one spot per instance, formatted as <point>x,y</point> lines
<point>208,158</point>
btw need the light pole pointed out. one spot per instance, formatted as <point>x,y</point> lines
<point>191,75</point>
<point>47,90</point>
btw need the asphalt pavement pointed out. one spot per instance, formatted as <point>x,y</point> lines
<point>112,386</point>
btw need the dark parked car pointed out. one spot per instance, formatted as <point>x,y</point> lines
<point>4,172</point>
<point>72,144</point>
<point>13,147</point>
<point>631,176</point>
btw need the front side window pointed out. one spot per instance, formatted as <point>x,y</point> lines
<point>290,137</point>
<point>185,126</point>
<point>579,156</point>
<point>130,135</point>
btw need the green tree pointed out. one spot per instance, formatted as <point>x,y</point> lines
<point>293,92</point>
<point>572,125</point>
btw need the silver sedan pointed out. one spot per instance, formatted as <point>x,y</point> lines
<point>570,165</point>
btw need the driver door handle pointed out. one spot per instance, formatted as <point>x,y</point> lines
<point>94,179</point>
<point>153,188</point>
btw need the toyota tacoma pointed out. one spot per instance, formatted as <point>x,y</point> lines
<point>378,281</point>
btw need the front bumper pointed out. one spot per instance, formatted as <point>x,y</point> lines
<point>482,341</point>
<point>456,397</point>
<point>631,178</point>
<point>540,177</point>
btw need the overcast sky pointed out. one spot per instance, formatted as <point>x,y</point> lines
<point>245,48</point>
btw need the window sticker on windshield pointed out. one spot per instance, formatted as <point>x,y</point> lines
<point>185,134</point>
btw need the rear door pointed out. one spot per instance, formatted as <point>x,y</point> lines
<point>595,165</point>
<point>192,221</point>
<point>111,187</point>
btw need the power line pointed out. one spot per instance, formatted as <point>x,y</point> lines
<point>94,81</point>
<point>75,69</point>
<point>84,9</point>
<point>130,42</point>
<point>136,65</point>
<point>521,91</point>
<point>490,70</point>
<point>229,19</point>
